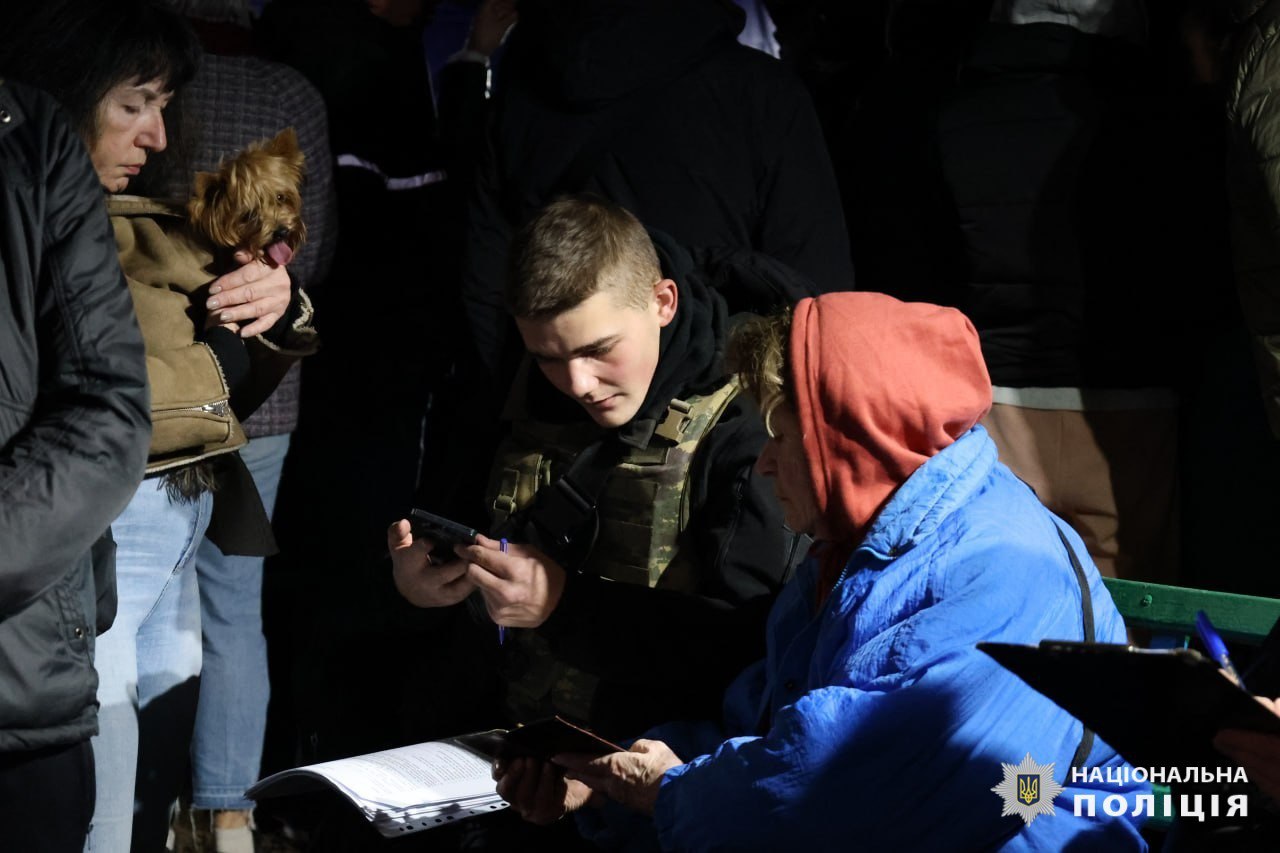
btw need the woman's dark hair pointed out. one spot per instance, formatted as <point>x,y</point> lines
<point>77,50</point>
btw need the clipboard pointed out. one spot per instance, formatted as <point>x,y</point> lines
<point>1156,707</point>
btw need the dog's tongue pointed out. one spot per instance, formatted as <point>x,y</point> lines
<point>280,252</point>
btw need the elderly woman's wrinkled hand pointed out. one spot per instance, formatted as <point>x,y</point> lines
<point>537,790</point>
<point>254,296</point>
<point>631,778</point>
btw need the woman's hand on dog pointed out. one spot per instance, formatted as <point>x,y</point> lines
<point>211,320</point>
<point>250,299</point>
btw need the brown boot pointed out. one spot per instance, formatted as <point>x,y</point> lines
<point>190,830</point>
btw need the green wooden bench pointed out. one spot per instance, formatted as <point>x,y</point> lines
<point>1169,614</point>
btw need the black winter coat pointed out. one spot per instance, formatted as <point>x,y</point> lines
<point>1034,194</point>
<point>74,422</point>
<point>657,107</point>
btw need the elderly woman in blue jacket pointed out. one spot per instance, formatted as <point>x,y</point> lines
<point>873,722</point>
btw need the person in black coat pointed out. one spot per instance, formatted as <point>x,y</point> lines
<point>74,431</point>
<point>1026,181</point>
<point>653,105</point>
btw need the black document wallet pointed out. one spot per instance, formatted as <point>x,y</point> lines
<point>540,739</point>
<point>1156,707</point>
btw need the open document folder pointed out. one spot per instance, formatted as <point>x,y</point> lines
<point>426,785</point>
<point>1156,707</point>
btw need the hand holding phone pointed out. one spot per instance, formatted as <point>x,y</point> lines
<point>441,531</point>
<point>420,576</point>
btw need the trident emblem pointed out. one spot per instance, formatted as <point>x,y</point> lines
<point>1029,788</point>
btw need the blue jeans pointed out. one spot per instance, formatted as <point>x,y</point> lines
<point>148,661</point>
<point>226,752</point>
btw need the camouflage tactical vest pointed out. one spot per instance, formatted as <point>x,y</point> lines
<point>642,510</point>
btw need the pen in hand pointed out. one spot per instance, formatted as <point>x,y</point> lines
<point>1216,647</point>
<point>502,632</point>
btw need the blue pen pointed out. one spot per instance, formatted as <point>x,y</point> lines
<point>1217,648</point>
<point>502,632</point>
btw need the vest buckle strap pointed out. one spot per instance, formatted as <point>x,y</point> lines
<point>564,510</point>
<point>505,501</point>
<point>675,422</point>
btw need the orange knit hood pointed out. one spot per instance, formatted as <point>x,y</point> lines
<point>880,386</point>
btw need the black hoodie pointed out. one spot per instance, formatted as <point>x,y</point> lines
<point>583,54</point>
<point>663,655</point>
<point>654,105</point>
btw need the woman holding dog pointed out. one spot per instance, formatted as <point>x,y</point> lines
<point>115,65</point>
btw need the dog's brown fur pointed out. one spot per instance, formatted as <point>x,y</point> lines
<point>253,200</point>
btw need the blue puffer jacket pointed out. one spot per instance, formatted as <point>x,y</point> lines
<point>885,728</point>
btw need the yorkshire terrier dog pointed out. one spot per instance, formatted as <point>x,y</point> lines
<point>252,203</point>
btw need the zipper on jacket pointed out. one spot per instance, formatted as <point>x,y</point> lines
<point>218,408</point>
<point>221,408</point>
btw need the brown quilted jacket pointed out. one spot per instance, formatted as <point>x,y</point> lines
<point>168,272</point>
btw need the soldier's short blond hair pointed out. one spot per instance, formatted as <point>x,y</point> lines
<point>574,248</point>
<point>758,354</point>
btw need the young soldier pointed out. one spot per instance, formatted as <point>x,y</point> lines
<point>644,549</point>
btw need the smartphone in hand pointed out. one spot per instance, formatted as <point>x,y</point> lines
<point>440,530</point>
